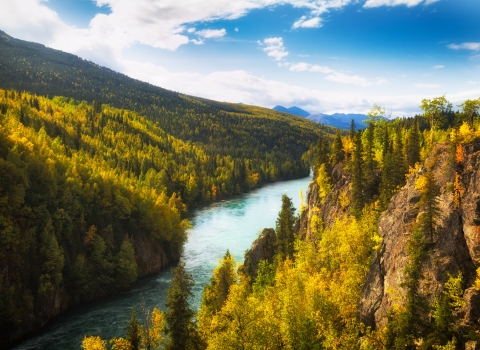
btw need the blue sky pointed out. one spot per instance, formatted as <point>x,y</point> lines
<point>321,55</point>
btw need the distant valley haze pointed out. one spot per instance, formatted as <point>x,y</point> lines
<point>321,56</point>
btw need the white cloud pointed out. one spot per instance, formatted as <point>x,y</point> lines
<point>354,79</point>
<point>241,86</point>
<point>465,46</point>
<point>274,48</point>
<point>426,86</point>
<point>408,3</point>
<point>336,76</point>
<point>321,69</point>
<point>300,67</point>
<point>236,29</point>
<point>438,66</point>
<point>211,33</point>
<point>198,41</point>
<point>303,22</point>
<point>191,30</point>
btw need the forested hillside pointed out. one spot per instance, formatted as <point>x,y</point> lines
<point>86,187</point>
<point>222,128</point>
<point>98,170</point>
<point>383,256</point>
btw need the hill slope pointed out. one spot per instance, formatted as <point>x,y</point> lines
<point>93,184</point>
<point>221,127</point>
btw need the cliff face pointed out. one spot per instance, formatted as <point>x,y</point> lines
<point>263,248</point>
<point>335,204</point>
<point>456,247</point>
<point>152,258</point>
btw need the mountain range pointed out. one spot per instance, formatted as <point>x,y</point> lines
<point>337,120</point>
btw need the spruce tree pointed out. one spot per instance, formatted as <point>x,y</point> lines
<point>398,159</point>
<point>337,149</point>
<point>429,202</point>
<point>358,199</point>
<point>412,145</point>
<point>321,152</point>
<point>181,326</point>
<point>134,331</point>
<point>352,129</point>
<point>284,228</point>
<point>371,183</point>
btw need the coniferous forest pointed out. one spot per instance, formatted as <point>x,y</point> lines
<point>99,170</point>
<point>89,178</point>
<point>310,291</point>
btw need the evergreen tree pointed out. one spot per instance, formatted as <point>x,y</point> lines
<point>369,168</point>
<point>429,203</point>
<point>387,182</point>
<point>337,149</point>
<point>398,159</point>
<point>181,326</point>
<point>321,152</point>
<point>406,326</point>
<point>284,228</point>
<point>134,332</point>
<point>358,200</point>
<point>352,129</point>
<point>412,145</point>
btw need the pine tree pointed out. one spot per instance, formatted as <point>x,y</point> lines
<point>284,228</point>
<point>370,165</point>
<point>429,202</point>
<point>181,326</point>
<point>321,152</point>
<point>337,149</point>
<point>412,145</point>
<point>352,129</point>
<point>134,331</point>
<point>358,200</point>
<point>399,159</point>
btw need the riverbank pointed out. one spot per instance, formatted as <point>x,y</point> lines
<point>232,225</point>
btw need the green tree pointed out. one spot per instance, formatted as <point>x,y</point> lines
<point>470,109</point>
<point>405,324</point>
<point>412,145</point>
<point>434,109</point>
<point>180,317</point>
<point>284,228</point>
<point>337,149</point>
<point>358,199</point>
<point>370,164</point>
<point>126,267</point>
<point>429,191</point>
<point>134,331</point>
<point>446,312</point>
<point>224,276</point>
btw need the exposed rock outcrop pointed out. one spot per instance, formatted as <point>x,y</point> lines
<point>456,247</point>
<point>336,203</point>
<point>151,257</point>
<point>263,248</point>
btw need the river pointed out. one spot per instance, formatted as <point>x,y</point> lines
<point>233,224</point>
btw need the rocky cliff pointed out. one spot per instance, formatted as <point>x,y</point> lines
<point>263,248</point>
<point>335,204</point>
<point>456,246</point>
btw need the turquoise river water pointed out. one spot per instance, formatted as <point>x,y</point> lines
<point>233,224</point>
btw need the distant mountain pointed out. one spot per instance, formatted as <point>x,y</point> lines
<point>292,110</point>
<point>339,120</point>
